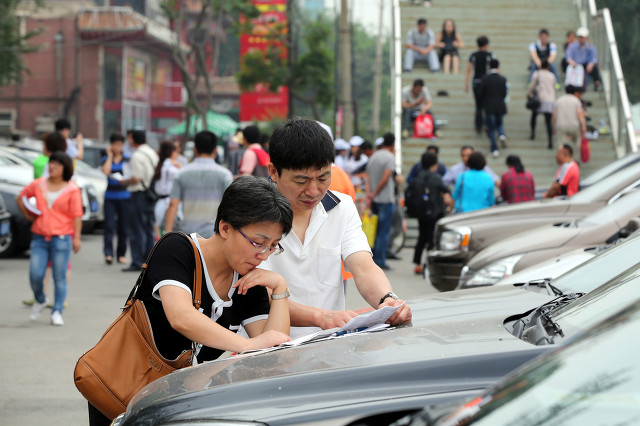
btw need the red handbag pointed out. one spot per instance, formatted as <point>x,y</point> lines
<point>423,126</point>
<point>585,150</point>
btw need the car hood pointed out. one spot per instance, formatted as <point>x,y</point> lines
<point>552,268</point>
<point>456,343</point>
<point>540,238</point>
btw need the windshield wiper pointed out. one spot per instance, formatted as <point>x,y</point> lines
<point>546,283</point>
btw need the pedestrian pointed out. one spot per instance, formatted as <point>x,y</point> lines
<point>255,158</point>
<point>51,142</point>
<point>479,64</point>
<point>199,187</point>
<point>356,161</point>
<point>416,100</point>
<point>543,84</point>
<point>234,152</point>
<point>142,166</point>
<point>181,158</point>
<point>163,177</point>
<point>429,196</point>
<point>474,188</point>
<point>116,200</point>
<point>566,181</point>
<point>341,147</point>
<point>420,47</point>
<point>327,230</point>
<point>75,148</point>
<point>252,218</point>
<point>568,119</point>
<point>415,169</point>
<point>543,50</point>
<point>581,52</point>
<point>57,224</point>
<point>380,168</point>
<point>570,38</point>
<point>451,176</point>
<point>492,92</point>
<point>516,184</point>
<point>449,41</point>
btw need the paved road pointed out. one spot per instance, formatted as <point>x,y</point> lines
<point>38,359</point>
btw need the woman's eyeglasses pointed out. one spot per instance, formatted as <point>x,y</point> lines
<point>261,248</point>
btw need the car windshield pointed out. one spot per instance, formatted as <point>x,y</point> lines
<point>609,169</point>
<point>602,189</point>
<point>593,380</point>
<point>601,268</point>
<point>625,207</point>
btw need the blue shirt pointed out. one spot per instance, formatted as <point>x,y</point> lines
<point>582,55</point>
<point>474,191</point>
<point>116,191</point>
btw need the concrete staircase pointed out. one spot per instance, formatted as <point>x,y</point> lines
<point>510,25</point>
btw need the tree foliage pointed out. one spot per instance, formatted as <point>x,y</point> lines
<point>13,44</point>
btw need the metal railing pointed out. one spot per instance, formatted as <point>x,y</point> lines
<point>603,38</point>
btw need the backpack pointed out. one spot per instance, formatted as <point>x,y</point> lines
<point>420,197</point>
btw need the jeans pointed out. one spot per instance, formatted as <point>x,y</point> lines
<point>412,56</point>
<point>385,218</point>
<point>141,237</point>
<point>552,67</point>
<point>494,123</point>
<point>57,250</point>
<point>113,208</point>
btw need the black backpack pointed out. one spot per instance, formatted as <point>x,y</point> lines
<point>420,198</point>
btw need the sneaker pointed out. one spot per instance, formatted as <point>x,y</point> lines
<point>495,153</point>
<point>36,309</point>
<point>503,140</point>
<point>405,134</point>
<point>29,302</point>
<point>418,270</point>
<point>56,318</point>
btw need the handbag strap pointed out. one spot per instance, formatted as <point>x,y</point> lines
<point>197,273</point>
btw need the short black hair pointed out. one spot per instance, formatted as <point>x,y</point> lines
<point>422,21</point>
<point>250,199</point>
<point>465,147</point>
<point>544,64</point>
<point>570,32</point>
<point>61,124</point>
<point>300,144</point>
<point>428,160</point>
<point>482,41</point>
<point>435,148</point>
<point>418,82</point>
<point>476,161</point>
<point>67,164</point>
<point>251,134</point>
<point>388,139</point>
<point>55,142</point>
<point>205,142</point>
<point>366,145</point>
<point>568,148</point>
<point>116,137</point>
<point>543,31</point>
<point>139,136</point>
<point>494,64</point>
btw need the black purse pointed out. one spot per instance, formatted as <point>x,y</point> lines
<point>533,102</point>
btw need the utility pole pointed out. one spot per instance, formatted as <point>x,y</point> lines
<point>345,71</point>
<point>377,78</point>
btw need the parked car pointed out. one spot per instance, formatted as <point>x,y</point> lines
<point>460,237</point>
<point>93,152</point>
<point>593,380</point>
<point>20,226</point>
<point>499,260</point>
<point>5,225</point>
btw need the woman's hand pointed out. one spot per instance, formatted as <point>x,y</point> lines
<point>76,243</point>
<point>266,340</point>
<point>271,280</point>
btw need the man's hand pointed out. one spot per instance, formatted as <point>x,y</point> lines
<point>333,319</point>
<point>402,315</point>
<point>589,68</point>
<point>572,62</point>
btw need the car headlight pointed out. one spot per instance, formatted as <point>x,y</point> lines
<point>490,274</point>
<point>455,239</point>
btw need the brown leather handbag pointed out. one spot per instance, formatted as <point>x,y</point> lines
<point>126,358</point>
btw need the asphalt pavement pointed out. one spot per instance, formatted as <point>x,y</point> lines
<point>37,359</point>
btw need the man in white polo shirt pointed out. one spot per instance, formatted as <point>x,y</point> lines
<point>326,230</point>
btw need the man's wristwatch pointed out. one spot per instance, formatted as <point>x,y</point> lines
<point>386,296</point>
<point>282,295</point>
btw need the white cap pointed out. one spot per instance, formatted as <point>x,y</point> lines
<point>582,32</point>
<point>326,127</point>
<point>356,140</point>
<point>341,145</point>
<point>379,141</point>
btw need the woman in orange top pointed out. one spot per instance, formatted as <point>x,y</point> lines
<point>57,223</point>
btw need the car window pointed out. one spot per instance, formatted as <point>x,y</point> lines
<point>610,169</point>
<point>594,380</point>
<point>601,268</point>
<point>623,207</point>
<point>602,189</point>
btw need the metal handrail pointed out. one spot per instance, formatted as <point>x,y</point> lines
<point>619,109</point>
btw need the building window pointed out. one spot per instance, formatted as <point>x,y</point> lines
<point>112,77</point>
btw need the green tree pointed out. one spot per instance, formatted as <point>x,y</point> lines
<point>13,43</point>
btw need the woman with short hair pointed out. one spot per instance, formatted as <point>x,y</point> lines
<point>474,188</point>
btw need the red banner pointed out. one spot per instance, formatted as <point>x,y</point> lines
<point>261,104</point>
